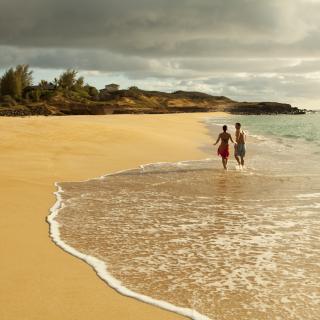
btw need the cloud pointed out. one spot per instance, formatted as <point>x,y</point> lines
<point>251,46</point>
<point>158,28</point>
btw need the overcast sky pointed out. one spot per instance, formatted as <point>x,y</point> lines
<point>245,49</point>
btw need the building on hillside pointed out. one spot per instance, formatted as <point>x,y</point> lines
<point>109,88</point>
<point>47,86</point>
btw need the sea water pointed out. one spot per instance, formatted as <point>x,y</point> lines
<point>210,244</point>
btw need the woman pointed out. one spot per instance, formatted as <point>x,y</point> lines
<point>223,149</point>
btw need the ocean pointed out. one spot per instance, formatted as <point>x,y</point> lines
<point>209,244</point>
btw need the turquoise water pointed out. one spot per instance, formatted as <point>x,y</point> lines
<point>296,127</point>
<point>283,143</point>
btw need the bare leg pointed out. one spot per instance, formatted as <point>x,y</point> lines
<point>242,161</point>
<point>238,160</point>
<point>224,163</point>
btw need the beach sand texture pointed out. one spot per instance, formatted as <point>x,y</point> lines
<point>38,279</point>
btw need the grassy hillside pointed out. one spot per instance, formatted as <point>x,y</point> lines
<point>69,95</point>
<point>62,102</point>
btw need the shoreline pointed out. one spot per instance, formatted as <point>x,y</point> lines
<point>100,268</point>
<point>38,151</point>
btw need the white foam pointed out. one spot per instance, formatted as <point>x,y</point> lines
<point>101,268</point>
<point>264,261</point>
<point>308,195</point>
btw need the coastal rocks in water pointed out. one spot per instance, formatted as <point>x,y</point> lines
<point>264,108</point>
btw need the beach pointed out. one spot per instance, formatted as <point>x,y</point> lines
<point>142,207</point>
<point>38,279</point>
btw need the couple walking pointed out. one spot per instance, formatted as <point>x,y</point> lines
<point>239,145</point>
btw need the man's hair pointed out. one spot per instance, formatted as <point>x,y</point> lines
<point>238,124</point>
<point>225,128</point>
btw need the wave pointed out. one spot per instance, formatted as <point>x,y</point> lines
<point>308,195</point>
<point>100,267</point>
<point>281,177</point>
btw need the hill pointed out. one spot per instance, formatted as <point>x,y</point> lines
<point>136,101</point>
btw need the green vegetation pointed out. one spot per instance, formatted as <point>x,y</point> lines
<point>14,81</point>
<point>69,95</point>
<point>16,87</point>
<point>133,88</point>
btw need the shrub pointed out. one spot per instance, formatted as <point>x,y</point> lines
<point>133,88</point>
<point>92,91</point>
<point>7,101</point>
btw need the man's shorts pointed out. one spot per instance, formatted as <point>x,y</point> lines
<point>240,150</point>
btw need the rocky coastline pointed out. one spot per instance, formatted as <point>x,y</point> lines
<point>136,101</point>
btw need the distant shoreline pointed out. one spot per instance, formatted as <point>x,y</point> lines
<point>69,95</point>
<point>135,101</point>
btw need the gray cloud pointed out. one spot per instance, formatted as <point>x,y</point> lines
<point>159,28</point>
<point>251,46</point>
<point>57,58</point>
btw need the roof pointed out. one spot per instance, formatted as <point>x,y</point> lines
<point>112,85</point>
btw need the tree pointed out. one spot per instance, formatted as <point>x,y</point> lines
<point>133,88</point>
<point>56,82</point>
<point>43,84</point>
<point>9,84</point>
<point>78,86</point>
<point>92,91</point>
<point>68,79</point>
<point>13,81</point>
<point>24,76</point>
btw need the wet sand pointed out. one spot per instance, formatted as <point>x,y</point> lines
<point>38,279</point>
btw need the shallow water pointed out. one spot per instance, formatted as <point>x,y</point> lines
<point>230,245</point>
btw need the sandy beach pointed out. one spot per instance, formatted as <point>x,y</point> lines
<point>38,279</point>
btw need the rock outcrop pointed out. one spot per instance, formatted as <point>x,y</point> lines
<point>264,108</point>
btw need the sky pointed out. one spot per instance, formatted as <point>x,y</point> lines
<point>248,50</point>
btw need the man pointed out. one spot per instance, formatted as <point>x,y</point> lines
<point>240,146</point>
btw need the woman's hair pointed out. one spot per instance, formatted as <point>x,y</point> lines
<point>225,128</point>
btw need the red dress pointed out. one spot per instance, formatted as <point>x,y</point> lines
<point>223,151</point>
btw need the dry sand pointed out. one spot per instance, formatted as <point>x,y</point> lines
<point>38,279</point>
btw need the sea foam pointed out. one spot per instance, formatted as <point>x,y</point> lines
<point>179,205</point>
<point>100,266</point>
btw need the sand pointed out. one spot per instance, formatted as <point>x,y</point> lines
<point>38,279</point>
